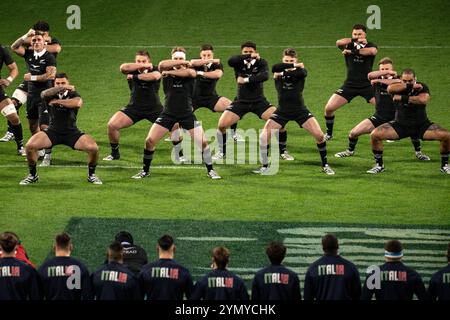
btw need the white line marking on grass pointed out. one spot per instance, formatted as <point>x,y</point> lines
<point>215,239</point>
<point>164,46</point>
<point>181,167</point>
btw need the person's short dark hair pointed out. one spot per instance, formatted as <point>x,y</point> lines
<point>248,44</point>
<point>143,53</point>
<point>115,252</point>
<point>165,242</point>
<point>393,246</point>
<point>330,244</point>
<point>221,256</point>
<point>276,251</point>
<point>359,26</point>
<point>41,26</point>
<point>206,46</point>
<point>8,242</point>
<point>409,71</point>
<point>124,236</point>
<point>290,52</point>
<point>39,33</point>
<point>63,241</point>
<point>61,75</point>
<point>386,60</point>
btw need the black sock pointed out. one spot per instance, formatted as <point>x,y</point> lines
<point>222,141</point>
<point>92,169</point>
<point>178,148</point>
<point>323,152</point>
<point>330,123</point>
<point>9,127</point>
<point>18,134</point>
<point>352,143</point>
<point>114,149</point>
<point>148,157</point>
<point>416,144</point>
<point>378,156</point>
<point>282,141</point>
<point>444,159</point>
<point>234,127</point>
<point>32,168</point>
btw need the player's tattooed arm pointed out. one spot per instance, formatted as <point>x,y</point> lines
<point>73,103</point>
<point>17,46</point>
<point>421,99</point>
<point>52,92</point>
<point>48,75</point>
<point>126,68</point>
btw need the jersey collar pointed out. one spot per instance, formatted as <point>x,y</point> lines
<point>39,54</point>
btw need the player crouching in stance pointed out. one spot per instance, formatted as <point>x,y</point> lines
<point>411,120</point>
<point>385,109</point>
<point>63,104</point>
<point>143,80</point>
<point>289,81</point>
<point>178,83</point>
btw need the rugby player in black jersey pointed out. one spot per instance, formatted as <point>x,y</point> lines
<point>410,98</point>
<point>143,80</point>
<point>20,95</point>
<point>251,71</point>
<point>359,57</point>
<point>385,109</point>
<point>63,104</point>
<point>7,108</point>
<point>289,81</point>
<point>41,73</point>
<point>209,71</point>
<point>178,83</point>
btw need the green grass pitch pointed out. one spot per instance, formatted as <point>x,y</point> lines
<point>409,193</point>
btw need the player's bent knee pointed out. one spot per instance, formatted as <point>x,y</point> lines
<point>9,111</point>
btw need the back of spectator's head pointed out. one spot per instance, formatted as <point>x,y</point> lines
<point>393,250</point>
<point>124,236</point>
<point>8,242</point>
<point>221,256</point>
<point>166,243</point>
<point>115,252</point>
<point>276,251</point>
<point>330,244</point>
<point>63,242</point>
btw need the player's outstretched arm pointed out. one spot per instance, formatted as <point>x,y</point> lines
<point>201,62</point>
<point>216,74</point>
<point>342,43</point>
<point>17,46</point>
<point>73,103</point>
<point>165,65</point>
<point>372,51</point>
<point>182,73</point>
<point>236,61</point>
<point>151,76</point>
<point>126,68</point>
<point>378,74</point>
